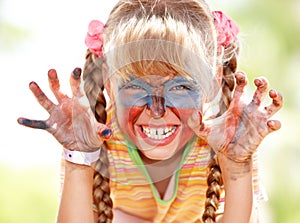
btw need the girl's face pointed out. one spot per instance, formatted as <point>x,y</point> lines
<point>153,112</point>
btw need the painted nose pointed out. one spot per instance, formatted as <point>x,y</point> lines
<point>157,109</point>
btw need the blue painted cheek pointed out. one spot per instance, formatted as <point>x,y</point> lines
<point>182,93</point>
<point>135,100</point>
<point>135,93</point>
<point>187,100</point>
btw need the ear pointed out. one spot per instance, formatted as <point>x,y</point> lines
<point>106,80</point>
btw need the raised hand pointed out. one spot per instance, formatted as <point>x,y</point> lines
<point>239,131</point>
<point>70,122</point>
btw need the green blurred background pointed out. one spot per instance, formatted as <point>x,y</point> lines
<point>36,35</point>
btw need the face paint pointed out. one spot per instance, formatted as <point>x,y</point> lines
<point>153,112</point>
<point>182,93</point>
<point>178,92</point>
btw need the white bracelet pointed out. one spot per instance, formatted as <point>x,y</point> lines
<point>78,157</point>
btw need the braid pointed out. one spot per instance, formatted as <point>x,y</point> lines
<point>228,80</point>
<point>214,182</point>
<point>214,178</point>
<point>93,86</point>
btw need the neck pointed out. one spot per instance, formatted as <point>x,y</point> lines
<point>162,169</point>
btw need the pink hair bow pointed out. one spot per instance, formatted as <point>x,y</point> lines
<point>227,29</point>
<point>94,38</point>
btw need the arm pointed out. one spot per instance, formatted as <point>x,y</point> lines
<point>238,190</point>
<point>235,136</point>
<point>76,201</point>
<point>74,126</point>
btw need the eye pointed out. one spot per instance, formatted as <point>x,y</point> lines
<point>133,86</point>
<point>181,88</point>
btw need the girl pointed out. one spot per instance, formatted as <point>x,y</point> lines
<point>165,154</point>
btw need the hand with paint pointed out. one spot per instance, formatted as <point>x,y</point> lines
<point>238,132</point>
<point>70,122</point>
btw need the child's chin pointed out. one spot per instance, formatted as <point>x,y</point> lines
<point>156,152</point>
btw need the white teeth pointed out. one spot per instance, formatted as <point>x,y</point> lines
<point>159,133</point>
<point>152,133</point>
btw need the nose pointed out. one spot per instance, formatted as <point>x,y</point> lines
<point>157,109</point>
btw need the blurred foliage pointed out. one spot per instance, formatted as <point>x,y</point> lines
<point>28,195</point>
<point>11,36</point>
<point>272,32</point>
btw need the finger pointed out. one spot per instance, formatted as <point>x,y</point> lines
<point>41,97</point>
<point>241,81</point>
<point>75,81</point>
<point>36,124</point>
<point>273,125</point>
<point>105,134</point>
<point>55,85</point>
<point>277,101</point>
<point>103,131</point>
<point>260,92</point>
<point>196,124</point>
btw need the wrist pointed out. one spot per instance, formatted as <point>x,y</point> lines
<point>232,169</point>
<point>74,167</point>
<point>81,158</point>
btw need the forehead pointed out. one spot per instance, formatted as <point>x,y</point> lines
<point>148,68</point>
<point>154,80</point>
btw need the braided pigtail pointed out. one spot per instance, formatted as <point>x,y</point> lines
<point>214,182</point>
<point>93,86</point>
<point>214,179</point>
<point>228,80</point>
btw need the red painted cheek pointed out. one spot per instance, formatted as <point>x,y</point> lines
<point>133,114</point>
<point>183,113</point>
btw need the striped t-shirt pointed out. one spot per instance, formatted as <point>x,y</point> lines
<point>134,193</point>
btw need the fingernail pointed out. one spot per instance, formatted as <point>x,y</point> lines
<point>52,75</point>
<point>32,83</point>
<point>24,121</point>
<point>77,73</point>
<point>106,134</point>
<point>258,82</point>
<point>273,93</point>
<point>20,120</point>
<point>270,123</point>
<point>240,78</point>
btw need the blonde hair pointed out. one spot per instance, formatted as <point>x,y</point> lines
<point>178,36</point>
<point>162,37</point>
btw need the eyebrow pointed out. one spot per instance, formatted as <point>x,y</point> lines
<point>178,79</point>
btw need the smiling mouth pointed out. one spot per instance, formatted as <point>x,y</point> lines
<point>158,133</point>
